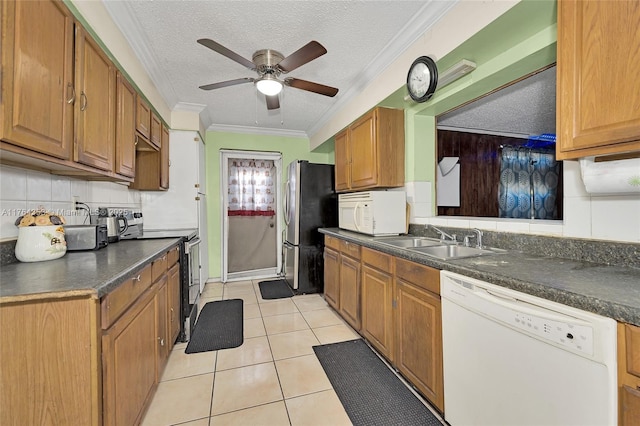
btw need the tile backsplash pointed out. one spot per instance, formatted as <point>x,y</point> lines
<point>22,190</point>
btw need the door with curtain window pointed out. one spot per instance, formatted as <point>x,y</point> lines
<point>251,216</point>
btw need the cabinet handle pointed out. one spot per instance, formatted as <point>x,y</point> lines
<point>83,101</point>
<point>137,278</point>
<point>171,311</point>
<point>72,99</point>
<point>161,341</point>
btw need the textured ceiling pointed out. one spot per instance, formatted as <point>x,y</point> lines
<point>361,38</point>
<point>522,109</point>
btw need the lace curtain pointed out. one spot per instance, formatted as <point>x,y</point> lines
<point>528,183</point>
<point>251,189</point>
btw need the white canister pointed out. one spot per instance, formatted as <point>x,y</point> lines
<point>38,243</point>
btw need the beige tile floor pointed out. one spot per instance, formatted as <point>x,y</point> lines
<point>274,378</point>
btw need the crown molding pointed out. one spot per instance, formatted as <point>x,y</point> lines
<point>125,20</point>
<point>428,15</point>
<point>264,131</point>
<point>189,107</point>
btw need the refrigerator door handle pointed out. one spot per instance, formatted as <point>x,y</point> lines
<point>286,203</point>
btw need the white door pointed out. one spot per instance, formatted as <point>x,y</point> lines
<point>237,231</point>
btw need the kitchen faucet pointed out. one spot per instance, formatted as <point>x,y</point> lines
<point>477,236</point>
<point>443,235</point>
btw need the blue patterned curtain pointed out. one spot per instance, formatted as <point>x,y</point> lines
<point>528,183</point>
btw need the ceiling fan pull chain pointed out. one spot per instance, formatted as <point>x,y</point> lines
<point>282,109</point>
<point>256,96</point>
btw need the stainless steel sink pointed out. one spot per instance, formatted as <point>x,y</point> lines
<point>447,252</point>
<point>411,242</point>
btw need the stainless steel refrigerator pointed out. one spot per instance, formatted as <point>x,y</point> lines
<point>310,203</point>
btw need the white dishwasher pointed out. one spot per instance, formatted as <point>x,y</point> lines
<point>514,359</point>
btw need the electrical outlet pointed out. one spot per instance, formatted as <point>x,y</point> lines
<point>75,200</point>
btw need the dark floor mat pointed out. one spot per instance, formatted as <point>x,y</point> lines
<point>276,289</point>
<point>369,391</point>
<point>219,326</point>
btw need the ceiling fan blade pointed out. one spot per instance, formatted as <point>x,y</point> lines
<point>310,86</point>
<point>273,102</point>
<point>306,53</point>
<point>216,47</point>
<point>227,83</point>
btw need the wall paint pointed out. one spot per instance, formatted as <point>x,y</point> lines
<point>290,148</point>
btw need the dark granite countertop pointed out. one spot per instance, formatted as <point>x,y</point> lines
<point>611,291</point>
<point>81,272</point>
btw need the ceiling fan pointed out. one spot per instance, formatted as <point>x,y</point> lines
<point>270,64</point>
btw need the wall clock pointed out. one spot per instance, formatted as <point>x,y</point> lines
<point>422,79</point>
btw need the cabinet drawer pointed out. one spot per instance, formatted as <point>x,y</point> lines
<point>350,249</point>
<point>115,303</point>
<point>159,267</point>
<point>378,260</point>
<point>332,242</point>
<point>173,256</point>
<point>419,275</point>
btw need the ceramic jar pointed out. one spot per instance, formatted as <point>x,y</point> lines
<point>38,243</point>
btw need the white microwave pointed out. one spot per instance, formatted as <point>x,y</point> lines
<point>373,212</point>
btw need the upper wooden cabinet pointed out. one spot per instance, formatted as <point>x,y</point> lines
<point>143,117</point>
<point>598,102</point>
<point>370,152</point>
<point>125,162</point>
<point>95,106</point>
<point>164,158</point>
<point>156,131</point>
<point>152,167</point>
<point>37,76</point>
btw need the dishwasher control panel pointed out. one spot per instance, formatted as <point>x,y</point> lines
<point>569,335</point>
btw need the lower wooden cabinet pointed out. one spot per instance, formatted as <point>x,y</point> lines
<point>50,352</point>
<point>173,291</point>
<point>394,304</point>
<point>628,375</point>
<point>162,325</point>
<point>129,363</point>
<point>377,301</point>
<point>350,283</point>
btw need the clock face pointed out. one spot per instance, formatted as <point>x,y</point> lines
<point>422,79</point>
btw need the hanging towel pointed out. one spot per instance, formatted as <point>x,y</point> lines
<point>448,183</point>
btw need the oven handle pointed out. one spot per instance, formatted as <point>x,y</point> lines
<point>191,243</point>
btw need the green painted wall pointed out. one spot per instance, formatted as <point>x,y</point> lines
<point>518,43</point>
<point>290,148</point>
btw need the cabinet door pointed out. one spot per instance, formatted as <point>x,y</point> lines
<point>332,278</point>
<point>419,340</point>
<point>37,76</point>
<point>598,104</point>
<point>95,105</point>
<point>343,161</point>
<point>629,406</point>
<point>125,127</point>
<point>130,363</point>
<point>350,290</point>
<point>173,285</point>
<point>162,327</point>
<point>377,313</point>
<point>364,159</point>
<point>164,159</point>
<point>143,117</point>
<point>156,131</point>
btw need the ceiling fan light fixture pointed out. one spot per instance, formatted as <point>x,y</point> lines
<point>269,85</point>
